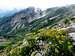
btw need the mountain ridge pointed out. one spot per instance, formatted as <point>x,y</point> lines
<point>31,19</point>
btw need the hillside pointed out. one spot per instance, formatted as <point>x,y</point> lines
<point>33,32</point>
<point>31,18</point>
<point>54,42</point>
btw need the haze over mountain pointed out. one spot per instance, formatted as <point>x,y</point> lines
<point>12,6</point>
<point>8,12</point>
<point>21,4</point>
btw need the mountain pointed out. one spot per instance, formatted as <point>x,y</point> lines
<point>19,20</point>
<point>31,19</point>
<point>33,32</point>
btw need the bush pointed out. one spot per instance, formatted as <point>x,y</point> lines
<point>56,43</point>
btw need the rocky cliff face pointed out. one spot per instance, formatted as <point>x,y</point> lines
<point>19,20</point>
<point>32,18</point>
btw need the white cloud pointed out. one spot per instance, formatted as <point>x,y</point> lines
<point>43,4</point>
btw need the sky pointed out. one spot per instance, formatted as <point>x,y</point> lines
<point>43,4</point>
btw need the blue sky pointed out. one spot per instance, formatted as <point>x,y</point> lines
<point>43,4</point>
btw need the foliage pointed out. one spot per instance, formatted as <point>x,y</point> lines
<point>60,43</point>
<point>66,21</point>
<point>56,43</point>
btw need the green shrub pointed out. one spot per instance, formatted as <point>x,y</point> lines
<point>57,43</point>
